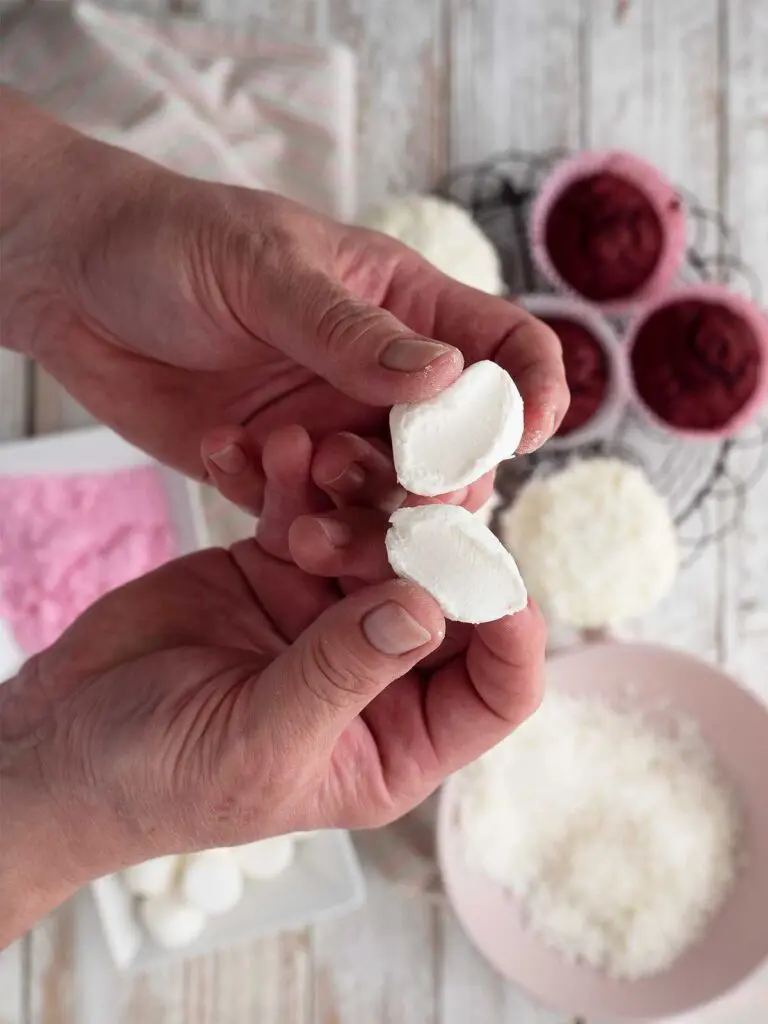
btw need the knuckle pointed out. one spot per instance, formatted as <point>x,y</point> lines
<point>345,323</point>
<point>334,675</point>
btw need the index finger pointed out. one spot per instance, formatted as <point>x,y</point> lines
<point>482,695</point>
<point>485,326</point>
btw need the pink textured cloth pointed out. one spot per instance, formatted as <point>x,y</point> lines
<point>67,540</point>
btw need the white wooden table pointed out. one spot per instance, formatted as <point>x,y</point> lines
<point>684,82</point>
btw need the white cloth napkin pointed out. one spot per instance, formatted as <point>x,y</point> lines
<point>211,101</point>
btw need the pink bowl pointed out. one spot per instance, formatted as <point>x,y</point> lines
<point>741,307</point>
<point>660,193</point>
<point>735,725</point>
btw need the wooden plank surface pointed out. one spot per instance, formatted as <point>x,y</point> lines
<point>745,199</point>
<point>517,76</point>
<point>402,101</point>
<point>654,87</point>
<point>378,964</point>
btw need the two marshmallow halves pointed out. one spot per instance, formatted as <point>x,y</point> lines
<point>440,445</point>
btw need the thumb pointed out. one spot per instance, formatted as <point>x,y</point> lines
<point>361,349</point>
<point>351,653</point>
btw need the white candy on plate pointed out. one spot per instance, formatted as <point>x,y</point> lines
<point>449,441</point>
<point>451,554</point>
<point>212,881</point>
<point>171,922</point>
<point>153,877</point>
<point>266,858</point>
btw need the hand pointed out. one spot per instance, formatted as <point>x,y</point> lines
<point>168,306</point>
<point>230,696</point>
<point>351,488</point>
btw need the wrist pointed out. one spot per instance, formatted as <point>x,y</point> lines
<point>31,882</point>
<point>47,846</point>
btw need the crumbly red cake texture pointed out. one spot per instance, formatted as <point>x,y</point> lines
<point>67,540</point>
<point>586,370</point>
<point>604,237</point>
<point>696,363</point>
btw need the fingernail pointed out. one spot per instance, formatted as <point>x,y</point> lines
<point>391,630</point>
<point>337,534</point>
<point>230,459</point>
<point>538,437</point>
<point>393,500</point>
<point>350,478</point>
<point>409,354</point>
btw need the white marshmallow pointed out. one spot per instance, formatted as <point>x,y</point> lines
<point>212,881</point>
<point>266,858</point>
<point>450,553</point>
<point>153,877</point>
<point>451,440</point>
<point>170,922</point>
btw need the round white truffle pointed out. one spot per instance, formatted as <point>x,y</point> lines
<point>153,877</point>
<point>595,542</point>
<point>446,235</point>
<point>212,881</point>
<point>267,858</point>
<point>170,922</point>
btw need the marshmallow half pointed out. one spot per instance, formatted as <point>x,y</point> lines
<point>451,440</point>
<point>450,553</point>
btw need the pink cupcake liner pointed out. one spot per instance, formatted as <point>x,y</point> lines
<point>661,194</point>
<point>757,321</point>
<point>618,390</point>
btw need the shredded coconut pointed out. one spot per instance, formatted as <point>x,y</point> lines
<point>620,840</point>
<point>67,540</point>
<point>595,543</point>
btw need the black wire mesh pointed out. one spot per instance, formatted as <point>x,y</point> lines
<point>706,483</point>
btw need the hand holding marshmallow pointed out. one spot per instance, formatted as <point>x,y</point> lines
<point>326,510</point>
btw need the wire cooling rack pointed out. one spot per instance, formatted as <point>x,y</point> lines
<point>706,483</point>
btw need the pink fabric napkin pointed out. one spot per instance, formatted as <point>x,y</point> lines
<point>212,101</point>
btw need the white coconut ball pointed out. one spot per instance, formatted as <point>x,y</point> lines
<point>212,881</point>
<point>594,542</point>
<point>153,877</point>
<point>171,922</point>
<point>445,234</point>
<point>266,858</point>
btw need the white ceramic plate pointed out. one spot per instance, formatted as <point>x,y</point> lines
<point>324,880</point>
<point>735,725</point>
